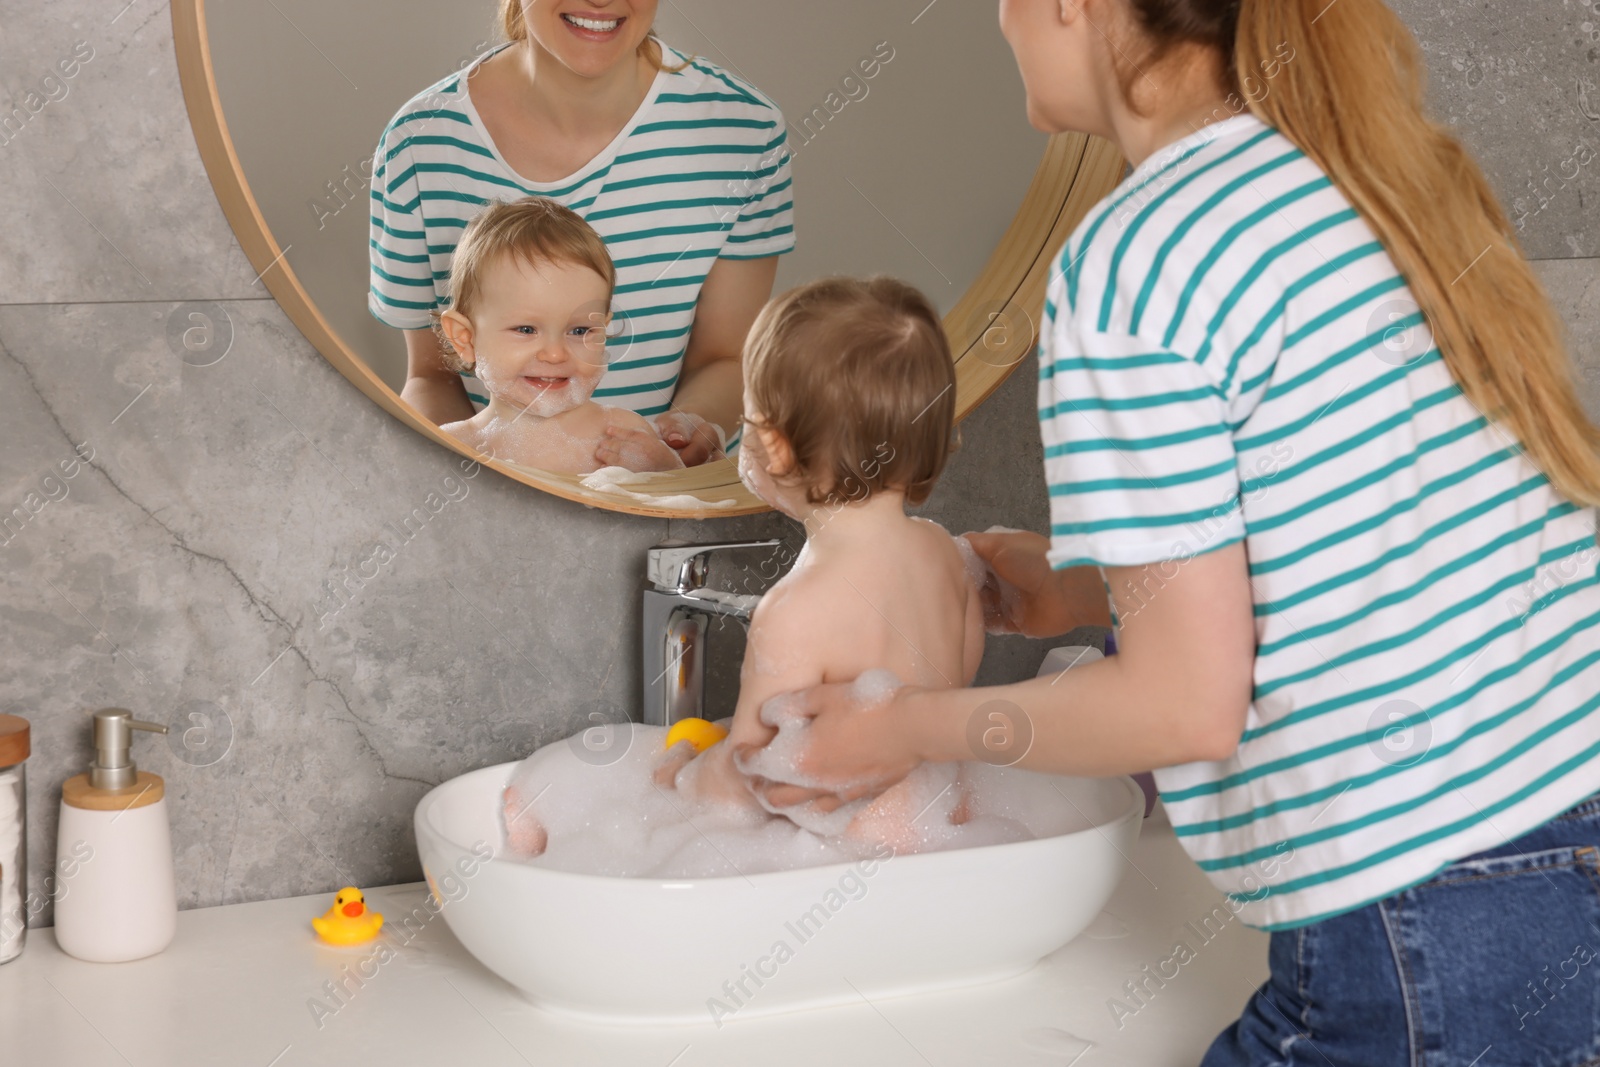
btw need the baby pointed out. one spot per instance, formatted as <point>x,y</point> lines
<point>849,405</point>
<point>531,286</point>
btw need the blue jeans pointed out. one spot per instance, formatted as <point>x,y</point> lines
<point>1493,962</point>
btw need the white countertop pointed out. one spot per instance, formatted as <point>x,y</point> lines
<point>237,984</point>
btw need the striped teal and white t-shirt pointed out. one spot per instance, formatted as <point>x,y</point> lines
<point>701,172</point>
<point>1229,354</point>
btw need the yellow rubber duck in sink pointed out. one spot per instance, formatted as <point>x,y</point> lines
<point>348,921</point>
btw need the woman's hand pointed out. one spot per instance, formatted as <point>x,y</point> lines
<point>1023,593</point>
<point>851,748</point>
<point>636,448</point>
<point>431,387</point>
<point>694,439</point>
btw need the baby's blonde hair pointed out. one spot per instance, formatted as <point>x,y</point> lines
<point>857,375</point>
<point>535,230</point>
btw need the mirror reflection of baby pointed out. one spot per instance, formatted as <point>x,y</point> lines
<point>849,401</point>
<point>531,286</point>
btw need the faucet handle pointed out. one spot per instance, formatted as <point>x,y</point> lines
<point>679,566</point>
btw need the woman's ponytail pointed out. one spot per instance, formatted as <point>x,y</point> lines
<point>1344,80</point>
<point>1351,96</point>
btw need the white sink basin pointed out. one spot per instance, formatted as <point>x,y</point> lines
<point>714,949</point>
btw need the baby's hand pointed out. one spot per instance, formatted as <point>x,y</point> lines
<point>710,777</point>
<point>696,440</point>
<point>637,449</point>
<point>669,763</point>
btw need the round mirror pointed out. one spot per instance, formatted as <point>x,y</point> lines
<point>887,158</point>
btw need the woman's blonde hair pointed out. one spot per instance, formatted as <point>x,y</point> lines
<point>1350,95</point>
<point>515,28</point>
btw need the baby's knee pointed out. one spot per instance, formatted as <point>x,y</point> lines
<point>525,835</point>
<point>885,824</point>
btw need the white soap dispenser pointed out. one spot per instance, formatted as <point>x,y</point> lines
<point>122,902</point>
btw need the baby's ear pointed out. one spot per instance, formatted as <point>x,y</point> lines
<point>457,329</point>
<point>780,454</point>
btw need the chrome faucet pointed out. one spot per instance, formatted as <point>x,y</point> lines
<point>678,612</point>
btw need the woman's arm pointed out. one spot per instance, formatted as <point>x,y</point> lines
<point>1176,692</point>
<point>431,387</point>
<point>711,386</point>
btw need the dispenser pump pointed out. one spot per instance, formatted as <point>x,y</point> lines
<point>124,904</point>
<point>113,767</point>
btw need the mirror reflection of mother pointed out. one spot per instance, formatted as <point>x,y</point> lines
<point>680,166</point>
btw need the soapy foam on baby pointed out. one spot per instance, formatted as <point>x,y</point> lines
<point>918,814</point>
<point>779,760</point>
<point>615,480</point>
<point>612,819</point>
<point>1009,595</point>
<point>977,570</point>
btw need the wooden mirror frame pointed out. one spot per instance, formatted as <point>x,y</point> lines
<point>992,328</point>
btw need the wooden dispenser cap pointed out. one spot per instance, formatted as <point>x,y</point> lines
<point>13,740</point>
<point>147,789</point>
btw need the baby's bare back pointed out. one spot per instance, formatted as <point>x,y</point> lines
<point>899,599</point>
<point>901,602</point>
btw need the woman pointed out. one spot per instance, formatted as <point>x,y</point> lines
<point>680,166</point>
<point>1307,410</point>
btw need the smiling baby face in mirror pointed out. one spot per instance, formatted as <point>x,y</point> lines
<point>531,287</point>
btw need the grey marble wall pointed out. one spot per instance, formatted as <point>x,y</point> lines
<point>183,566</point>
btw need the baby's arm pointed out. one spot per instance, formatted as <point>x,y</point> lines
<point>630,440</point>
<point>787,647</point>
<point>787,620</point>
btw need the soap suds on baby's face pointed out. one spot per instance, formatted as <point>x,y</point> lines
<point>611,819</point>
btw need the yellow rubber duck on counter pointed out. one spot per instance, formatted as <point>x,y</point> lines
<point>348,921</point>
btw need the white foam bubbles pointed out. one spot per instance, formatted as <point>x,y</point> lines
<point>611,818</point>
<point>616,480</point>
<point>977,570</point>
<point>779,761</point>
<point>875,686</point>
